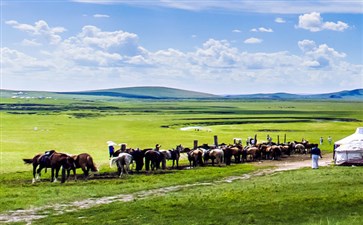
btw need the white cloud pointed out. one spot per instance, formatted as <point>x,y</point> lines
<point>94,59</point>
<point>314,22</point>
<point>253,40</point>
<point>262,29</point>
<point>280,7</point>
<point>306,45</point>
<point>40,28</point>
<point>236,31</point>
<point>321,56</point>
<point>280,20</point>
<point>101,16</point>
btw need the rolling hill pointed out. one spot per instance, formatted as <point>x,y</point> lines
<point>146,93</point>
<point>149,92</point>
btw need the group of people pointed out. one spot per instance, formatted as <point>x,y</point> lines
<point>321,140</point>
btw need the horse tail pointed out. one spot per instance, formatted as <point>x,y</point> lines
<point>92,164</point>
<point>28,161</point>
<point>112,161</point>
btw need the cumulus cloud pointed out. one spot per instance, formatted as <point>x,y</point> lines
<point>40,28</point>
<point>236,31</point>
<point>280,20</point>
<point>253,40</point>
<point>319,56</point>
<point>314,23</point>
<point>101,16</point>
<point>262,29</point>
<point>94,59</point>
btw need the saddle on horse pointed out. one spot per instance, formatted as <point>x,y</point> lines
<point>45,158</point>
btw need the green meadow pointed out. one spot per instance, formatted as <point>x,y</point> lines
<point>330,195</point>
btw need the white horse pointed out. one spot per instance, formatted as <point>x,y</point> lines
<point>218,155</point>
<point>123,161</point>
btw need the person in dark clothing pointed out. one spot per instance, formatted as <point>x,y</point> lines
<point>315,155</point>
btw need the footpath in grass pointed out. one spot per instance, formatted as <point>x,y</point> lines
<point>330,195</point>
<point>59,209</point>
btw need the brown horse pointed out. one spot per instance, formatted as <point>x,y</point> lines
<point>235,151</point>
<point>153,159</point>
<point>64,161</point>
<point>85,162</point>
<point>52,160</point>
<point>41,160</point>
<point>195,157</point>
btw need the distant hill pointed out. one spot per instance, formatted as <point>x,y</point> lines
<point>356,94</point>
<point>173,93</point>
<point>146,93</point>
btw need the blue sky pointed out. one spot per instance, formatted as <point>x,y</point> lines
<point>219,47</point>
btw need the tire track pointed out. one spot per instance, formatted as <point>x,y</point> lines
<point>29,215</point>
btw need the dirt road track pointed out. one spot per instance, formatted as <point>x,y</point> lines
<point>29,215</point>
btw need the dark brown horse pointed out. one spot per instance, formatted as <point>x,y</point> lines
<point>51,159</point>
<point>64,161</point>
<point>153,159</point>
<point>85,162</point>
<point>41,160</point>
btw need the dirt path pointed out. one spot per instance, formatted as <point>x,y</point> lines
<point>29,215</point>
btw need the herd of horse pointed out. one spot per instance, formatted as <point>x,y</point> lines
<point>155,158</point>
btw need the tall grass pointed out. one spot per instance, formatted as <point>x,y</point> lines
<point>325,196</point>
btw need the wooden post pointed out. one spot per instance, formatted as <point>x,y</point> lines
<point>255,139</point>
<point>285,139</point>
<point>195,144</point>
<point>216,140</point>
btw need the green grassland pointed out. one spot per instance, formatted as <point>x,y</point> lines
<point>31,126</point>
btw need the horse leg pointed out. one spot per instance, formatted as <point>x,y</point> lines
<point>34,172</point>
<point>85,171</point>
<point>37,176</point>
<point>56,174</point>
<point>52,176</point>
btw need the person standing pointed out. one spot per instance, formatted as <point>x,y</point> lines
<point>111,149</point>
<point>321,140</point>
<point>330,140</point>
<point>315,154</point>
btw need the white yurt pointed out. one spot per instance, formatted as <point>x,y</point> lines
<point>349,150</point>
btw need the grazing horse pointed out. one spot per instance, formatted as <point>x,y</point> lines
<point>300,148</point>
<point>41,160</point>
<point>195,157</point>
<point>123,161</point>
<point>64,161</point>
<point>85,162</point>
<point>138,156</point>
<point>216,154</point>
<point>172,155</point>
<point>234,151</point>
<point>274,152</point>
<point>153,159</point>
<point>252,153</point>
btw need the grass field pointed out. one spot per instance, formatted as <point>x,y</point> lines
<point>75,126</point>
